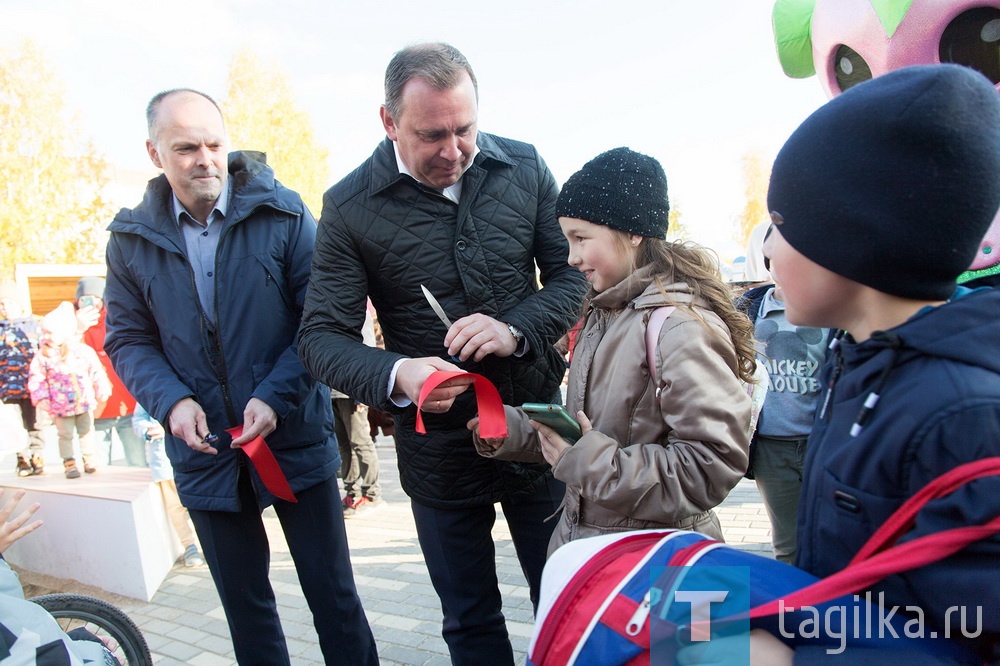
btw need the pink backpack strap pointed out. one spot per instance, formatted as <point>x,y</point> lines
<point>653,327</point>
<point>757,390</point>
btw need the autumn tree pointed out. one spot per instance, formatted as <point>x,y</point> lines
<point>51,208</point>
<point>756,174</point>
<point>261,114</point>
<point>676,230</point>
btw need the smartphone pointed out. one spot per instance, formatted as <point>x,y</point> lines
<point>86,302</point>
<point>555,417</point>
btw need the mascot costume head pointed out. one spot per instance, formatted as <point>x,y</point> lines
<point>846,42</point>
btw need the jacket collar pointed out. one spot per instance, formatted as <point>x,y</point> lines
<point>251,183</point>
<point>963,330</point>
<point>385,173</point>
<point>639,290</point>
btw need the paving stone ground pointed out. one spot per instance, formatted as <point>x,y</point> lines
<point>184,623</point>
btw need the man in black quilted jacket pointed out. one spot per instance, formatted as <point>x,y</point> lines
<point>472,217</point>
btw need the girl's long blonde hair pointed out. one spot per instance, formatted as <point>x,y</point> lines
<point>697,267</point>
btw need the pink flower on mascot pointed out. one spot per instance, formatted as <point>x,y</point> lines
<point>846,42</point>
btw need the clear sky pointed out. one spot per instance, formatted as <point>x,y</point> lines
<point>694,83</point>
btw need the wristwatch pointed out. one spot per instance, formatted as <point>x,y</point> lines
<point>518,337</point>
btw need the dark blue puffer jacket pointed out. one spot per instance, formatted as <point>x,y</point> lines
<point>939,407</point>
<point>162,349</point>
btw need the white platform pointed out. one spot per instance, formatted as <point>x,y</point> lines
<point>109,529</point>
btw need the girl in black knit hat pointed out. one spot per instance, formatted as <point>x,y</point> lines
<point>665,423</point>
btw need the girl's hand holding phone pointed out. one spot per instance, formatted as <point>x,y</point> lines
<point>553,445</point>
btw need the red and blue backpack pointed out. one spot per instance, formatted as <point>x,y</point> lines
<point>620,599</point>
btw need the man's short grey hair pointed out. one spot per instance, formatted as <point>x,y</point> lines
<point>153,108</point>
<point>437,63</point>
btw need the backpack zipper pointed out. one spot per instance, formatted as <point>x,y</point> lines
<point>638,620</point>
<point>580,580</point>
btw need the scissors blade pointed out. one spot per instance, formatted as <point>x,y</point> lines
<point>438,310</point>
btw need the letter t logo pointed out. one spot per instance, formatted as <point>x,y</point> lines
<point>701,610</point>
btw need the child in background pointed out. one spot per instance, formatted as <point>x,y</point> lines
<point>116,417</point>
<point>67,381</point>
<point>648,458</point>
<point>18,345</point>
<point>150,430</point>
<point>793,356</point>
<point>880,200</point>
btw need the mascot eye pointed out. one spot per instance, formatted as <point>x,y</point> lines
<point>850,68</point>
<point>973,39</point>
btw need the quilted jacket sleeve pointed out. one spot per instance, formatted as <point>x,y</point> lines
<point>330,341</point>
<point>546,315</point>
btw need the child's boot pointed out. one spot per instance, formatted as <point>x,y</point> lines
<point>88,465</point>
<point>37,464</point>
<point>192,558</point>
<point>69,468</point>
<point>23,466</point>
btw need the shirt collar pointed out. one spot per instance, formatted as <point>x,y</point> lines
<point>221,206</point>
<point>770,304</point>
<point>452,192</point>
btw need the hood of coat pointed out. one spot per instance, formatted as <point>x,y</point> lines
<point>964,330</point>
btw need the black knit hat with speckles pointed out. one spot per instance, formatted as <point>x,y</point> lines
<point>621,189</point>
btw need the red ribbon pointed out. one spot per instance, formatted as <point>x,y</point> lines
<point>492,420</point>
<point>266,465</point>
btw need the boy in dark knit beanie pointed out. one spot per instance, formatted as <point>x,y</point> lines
<point>879,200</point>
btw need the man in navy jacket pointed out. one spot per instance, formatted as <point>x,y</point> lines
<point>206,281</point>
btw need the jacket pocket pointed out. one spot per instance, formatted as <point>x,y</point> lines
<point>309,423</point>
<point>275,287</point>
<point>843,518</point>
<point>185,459</point>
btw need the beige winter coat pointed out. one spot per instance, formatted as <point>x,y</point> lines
<point>651,461</point>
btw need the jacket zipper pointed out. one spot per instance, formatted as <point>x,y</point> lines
<point>220,374</point>
<point>834,376</point>
<point>221,371</point>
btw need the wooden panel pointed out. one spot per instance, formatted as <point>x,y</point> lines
<point>48,292</point>
<point>47,285</point>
